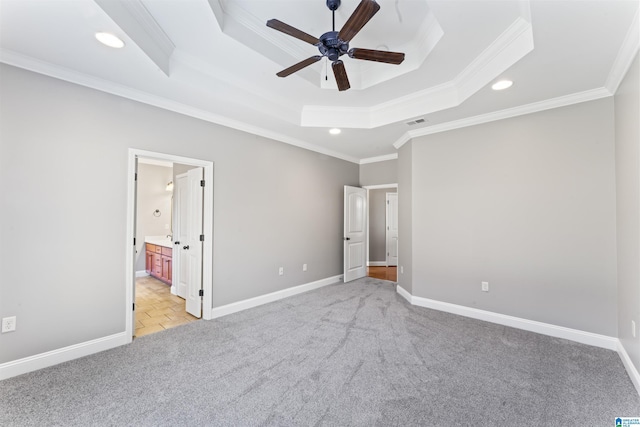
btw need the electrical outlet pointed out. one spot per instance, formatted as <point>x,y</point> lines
<point>485,286</point>
<point>8,324</point>
<point>633,328</point>
<point>304,267</point>
<point>281,271</point>
<point>401,269</point>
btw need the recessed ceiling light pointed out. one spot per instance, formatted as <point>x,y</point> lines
<point>334,131</point>
<point>502,84</point>
<point>110,40</point>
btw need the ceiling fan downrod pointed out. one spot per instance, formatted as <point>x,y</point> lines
<point>333,5</point>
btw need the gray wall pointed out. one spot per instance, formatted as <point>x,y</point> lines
<point>527,204</point>
<point>66,145</point>
<point>377,225</point>
<point>627,112</point>
<point>378,173</point>
<point>152,195</point>
<point>405,217</point>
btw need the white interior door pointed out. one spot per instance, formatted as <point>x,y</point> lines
<point>355,236</point>
<point>191,245</point>
<point>181,210</point>
<point>392,229</point>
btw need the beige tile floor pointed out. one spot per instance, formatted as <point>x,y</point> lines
<point>156,308</point>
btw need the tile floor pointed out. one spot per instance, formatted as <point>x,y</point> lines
<point>156,308</point>
<point>384,273</point>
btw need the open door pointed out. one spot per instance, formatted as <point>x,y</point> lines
<point>355,235</point>
<point>392,229</point>
<point>180,234</point>
<point>191,246</point>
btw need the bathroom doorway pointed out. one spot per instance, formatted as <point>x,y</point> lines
<point>150,260</point>
<point>159,304</point>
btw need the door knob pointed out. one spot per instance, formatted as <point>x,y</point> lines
<point>347,238</point>
<point>176,243</point>
<point>185,247</point>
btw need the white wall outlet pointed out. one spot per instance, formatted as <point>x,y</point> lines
<point>8,324</point>
<point>304,267</point>
<point>633,328</point>
<point>401,269</point>
<point>281,271</point>
<point>485,286</point>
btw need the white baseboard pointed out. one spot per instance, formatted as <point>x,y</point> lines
<point>376,263</point>
<point>628,365</point>
<point>141,273</point>
<point>404,294</point>
<point>274,296</point>
<point>589,338</point>
<point>50,358</point>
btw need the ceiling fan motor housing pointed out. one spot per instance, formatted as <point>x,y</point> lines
<point>331,46</point>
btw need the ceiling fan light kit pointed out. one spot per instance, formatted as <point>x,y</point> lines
<point>334,44</point>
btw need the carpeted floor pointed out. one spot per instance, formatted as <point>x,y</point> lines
<point>345,354</point>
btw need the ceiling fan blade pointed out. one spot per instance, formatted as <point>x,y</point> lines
<point>341,75</point>
<point>293,32</point>
<point>363,13</point>
<point>299,66</point>
<point>377,55</point>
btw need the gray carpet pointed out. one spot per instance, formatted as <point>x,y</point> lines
<point>354,354</point>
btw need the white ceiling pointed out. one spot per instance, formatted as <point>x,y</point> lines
<point>217,60</point>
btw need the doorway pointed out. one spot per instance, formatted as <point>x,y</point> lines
<point>206,237</point>
<point>382,255</point>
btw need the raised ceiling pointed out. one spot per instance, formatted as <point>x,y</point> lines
<point>217,60</point>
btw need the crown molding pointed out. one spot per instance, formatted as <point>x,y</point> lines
<point>61,73</point>
<point>142,28</point>
<point>402,140</point>
<point>562,101</point>
<point>384,158</point>
<point>626,54</point>
<point>511,46</point>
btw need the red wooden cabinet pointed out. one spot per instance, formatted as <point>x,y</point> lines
<point>159,262</point>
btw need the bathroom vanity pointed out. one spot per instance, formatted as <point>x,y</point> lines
<point>159,259</point>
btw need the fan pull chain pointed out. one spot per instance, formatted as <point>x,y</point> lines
<point>326,70</point>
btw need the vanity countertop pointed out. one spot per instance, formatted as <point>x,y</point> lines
<point>159,240</point>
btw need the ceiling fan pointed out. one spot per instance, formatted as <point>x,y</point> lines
<point>334,44</point>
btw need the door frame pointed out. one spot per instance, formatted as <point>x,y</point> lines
<point>207,216</point>
<point>377,187</point>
